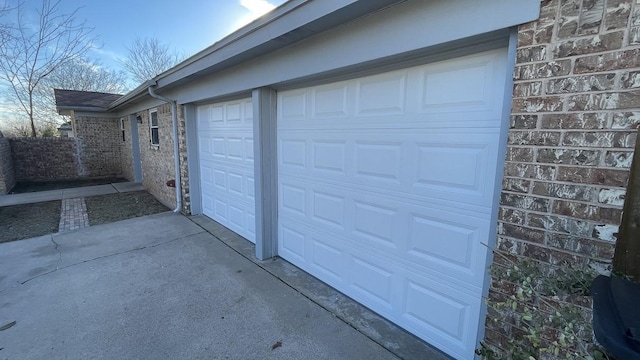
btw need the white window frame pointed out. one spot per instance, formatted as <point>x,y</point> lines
<point>156,126</point>
<point>122,129</point>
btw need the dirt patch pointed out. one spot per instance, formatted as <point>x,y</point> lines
<point>35,186</point>
<point>103,209</point>
<point>29,220</point>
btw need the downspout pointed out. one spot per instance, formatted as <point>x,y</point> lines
<point>176,151</point>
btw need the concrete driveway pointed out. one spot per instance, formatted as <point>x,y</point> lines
<point>162,287</point>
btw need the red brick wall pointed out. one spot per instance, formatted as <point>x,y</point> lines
<point>576,107</point>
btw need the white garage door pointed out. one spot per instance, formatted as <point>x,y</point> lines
<point>225,145</point>
<point>386,189</point>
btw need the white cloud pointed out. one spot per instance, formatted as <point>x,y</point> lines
<point>257,8</point>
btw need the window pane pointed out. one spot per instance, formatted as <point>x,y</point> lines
<point>155,138</point>
<point>154,119</point>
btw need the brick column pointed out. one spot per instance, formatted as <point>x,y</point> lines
<point>576,103</point>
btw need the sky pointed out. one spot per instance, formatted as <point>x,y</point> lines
<point>186,26</point>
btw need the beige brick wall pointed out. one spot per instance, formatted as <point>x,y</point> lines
<point>184,168</point>
<point>41,159</point>
<point>7,175</point>
<point>157,161</point>
<point>99,146</point>
<point>576,107</point>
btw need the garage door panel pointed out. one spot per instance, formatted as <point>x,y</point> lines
<point>459,92</point>
<point>452,167</point>
<point>377,222</point>
<point>386,190</point>
<point>442,313</point>
<point>461,85</point>
<point>329,155</point>
<point>225,141</point>
<point>381,95</point>
<point>328,101</point>
<point>233,214</point>
<point>328,208</point>
<point>327,258</point>
<point>437,241</point>
<point>371,279</point>
<point>291,244</point>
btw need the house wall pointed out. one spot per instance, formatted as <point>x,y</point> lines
<point>41,159</point>
<point>576,107</point>
<point>99,146</point>
<point>184,167</point>
<point>7,175</point>
<point>157,161</point>
<point>126,155</point>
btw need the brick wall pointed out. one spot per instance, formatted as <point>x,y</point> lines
<point>94,152</point>
<point>184,168</point>
<point>575,109</point>
<point>157,161</point>
<point>41,159</point>
<point>7,175</point>
<point>99,141</point>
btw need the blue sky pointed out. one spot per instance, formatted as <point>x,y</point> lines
<point>185,25</point>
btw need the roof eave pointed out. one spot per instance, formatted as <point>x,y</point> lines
<point>66,110</point>
<point>293,21</point>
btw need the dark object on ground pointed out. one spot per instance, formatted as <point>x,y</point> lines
<point>171,183</point>
<point>29,220</point>
<point>616,316</point>
<point>35,186</point>
<point>104,209</point>
<point>8,326</point>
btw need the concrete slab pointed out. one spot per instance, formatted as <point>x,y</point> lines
<point>41,196</point>
<point>161,294</point>
<point>28,198</point>
<point>395,339</point>
<point>88,191</point>
<point>128,186</point>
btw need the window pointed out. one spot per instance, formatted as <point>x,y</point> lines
<point>153,127</point>
<point>122,128</point>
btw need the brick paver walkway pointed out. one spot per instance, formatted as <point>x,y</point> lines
<point>74,215</point>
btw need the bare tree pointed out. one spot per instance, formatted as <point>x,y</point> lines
<point>148,57</point>
<point>4,26</point>
<point>33,51</point>
<point>83,74</point>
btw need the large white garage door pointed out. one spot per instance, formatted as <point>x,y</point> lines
<point>386,189</point>
<point>225,145</point>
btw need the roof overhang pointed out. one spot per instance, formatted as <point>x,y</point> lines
<point>293,21</point>
<point>66,110</point>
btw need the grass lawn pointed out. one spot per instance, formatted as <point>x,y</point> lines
<point>29,220</point>
<point>104,209</point>
<point>26,221</point>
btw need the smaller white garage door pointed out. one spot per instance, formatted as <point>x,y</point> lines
<point>225,146</point>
